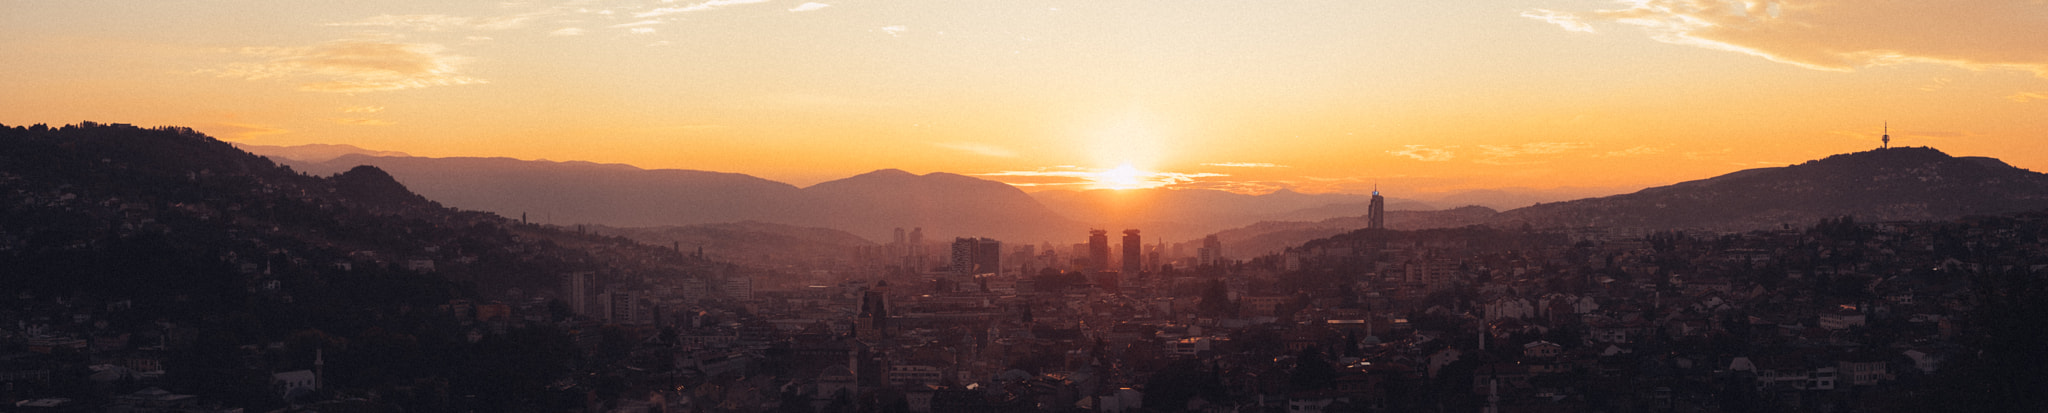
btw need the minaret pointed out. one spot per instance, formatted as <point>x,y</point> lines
<point>1887,136</point>
<point>319,367</point>
<point>1376,215</point>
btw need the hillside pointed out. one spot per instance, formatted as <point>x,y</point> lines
<point>1880,185</point>
<point>1273,236</point>
<point>229,268</point>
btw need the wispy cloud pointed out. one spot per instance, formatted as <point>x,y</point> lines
<point>1118,178</point>
<point>1513,154</point>
<point>566,31</point>
<point>635,24</point>
<point>1245,165</point>
<point>362,109</point>
<point>350,66</point>
<point>1846,34</point>
<point>809,7</point>
<point>1702,155</point>
<point>1568,21</point>
<point>978,148</point>
<point>362,122</point>
<point>643,30</point>
<point>1424,153</point>
<point>895,30</point>
<point>2024,97</point>
<point>709,5</point>
<point>244,130</point>
<point>1636,151</point>
<point>440,22</point>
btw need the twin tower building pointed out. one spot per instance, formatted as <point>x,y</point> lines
<point>984,255</point>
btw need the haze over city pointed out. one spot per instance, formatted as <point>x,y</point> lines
<point>1018,206</point>
<point>1318,96</point>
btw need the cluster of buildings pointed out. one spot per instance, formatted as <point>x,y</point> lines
<point>1829,319</point>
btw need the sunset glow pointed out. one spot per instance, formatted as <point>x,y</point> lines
<point>1317,96</point>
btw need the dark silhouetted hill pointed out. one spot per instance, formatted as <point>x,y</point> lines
<point>1274,236</point>
<point>76,192</point>
<point>1887,184</point>
<point>209,252</point>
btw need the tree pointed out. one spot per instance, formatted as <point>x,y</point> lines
<point>1216,301</point>
<point>1312,371</point>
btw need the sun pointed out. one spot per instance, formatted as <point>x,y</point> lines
<point>1122,177</point>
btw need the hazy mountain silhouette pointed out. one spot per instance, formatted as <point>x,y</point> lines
<point>1183,213</point>
<point>1886,184</point>
<point>749,242</point>
<point>319,152</point>
<point>583,192</point>
<point>875,203</point>
<point>870,205</point>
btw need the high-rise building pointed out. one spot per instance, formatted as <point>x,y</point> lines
<point>1376,215</point>
<point>1024,257</point>
<point>579,291</point>
<point>1098,250</point>
<point>1134,255</point>
<point>1211,252</point>
<point>988,256</point>
<point>913,252</point>
<point>623,307</point>
<point>977,256</point>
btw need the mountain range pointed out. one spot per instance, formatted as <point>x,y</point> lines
<point>1887,184</point>
<point>871,205</point>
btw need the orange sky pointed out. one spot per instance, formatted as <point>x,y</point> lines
<point>1315,95</point>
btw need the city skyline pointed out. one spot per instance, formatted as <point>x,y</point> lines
<point>1246,97</point>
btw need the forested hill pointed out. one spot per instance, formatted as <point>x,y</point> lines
<point>169,236</point>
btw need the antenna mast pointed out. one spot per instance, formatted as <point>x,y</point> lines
<point>1887,136</point>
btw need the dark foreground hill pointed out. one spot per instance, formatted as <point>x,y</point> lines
<point>1880,185</point>
<point>167,245</point>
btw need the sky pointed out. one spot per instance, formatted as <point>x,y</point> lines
<point>1247,96</point>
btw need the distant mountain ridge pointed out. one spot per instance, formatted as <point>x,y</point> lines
<point>319,152</point>
<point>581,192</point>
<point>1886,184</point>
<point>870,205</point>
<point>1897,183</point>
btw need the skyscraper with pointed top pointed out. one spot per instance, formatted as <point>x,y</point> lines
<point>1376,215</point>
